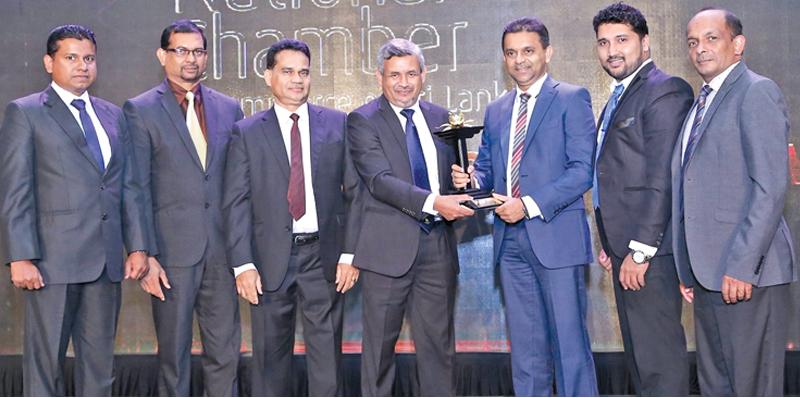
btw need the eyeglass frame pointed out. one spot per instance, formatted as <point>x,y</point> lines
<point>183,52</point>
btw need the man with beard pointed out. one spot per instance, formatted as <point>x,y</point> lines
<point>536,153</point>
<point>631,198</point>
<point>732,247</point>
<point>180,131</point>
<point>70,201</point>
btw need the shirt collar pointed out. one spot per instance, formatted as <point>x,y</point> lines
<point>716,82</point>
<point>535,88</point>
<point>627,81</point>
<point>415,107</point>
<point>180,92</point>
<point>67,96</point>
<point>285,114</point>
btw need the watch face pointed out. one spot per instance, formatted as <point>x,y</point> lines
<point>638,257</point>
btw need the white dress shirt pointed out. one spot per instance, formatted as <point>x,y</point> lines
<point>531,208</point>
<point>102,136</point>
<point>428,150</point>
<point>308,223</point>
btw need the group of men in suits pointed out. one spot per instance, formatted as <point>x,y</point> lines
<point>289,207</point>
<point>688,197</point>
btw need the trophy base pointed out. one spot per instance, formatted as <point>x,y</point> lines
<point>481,200</point>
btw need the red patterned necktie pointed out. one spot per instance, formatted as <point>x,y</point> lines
<point>297,186</point>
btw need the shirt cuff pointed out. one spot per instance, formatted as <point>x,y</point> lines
<point>531,208</point>
<point>242,268</point>
<point>427,207</point>
<point>649,251</point>
<point>346,258</point>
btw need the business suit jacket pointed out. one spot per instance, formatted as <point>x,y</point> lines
<point>258,223</point>
<point>633,169</point>
<point>58,209</point>
<point>392,208</point>
<point>734,189</point>
<point>183,201</point>
<point>556,170</point>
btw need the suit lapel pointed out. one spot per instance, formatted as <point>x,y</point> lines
<point>109,123</point>
<point>395,127</point>
<point>735,74</point>
<point>633,87</point>
<point>209,105</point>
<point>62,115</point>
<point>505,113</point>
<point>317,137</point>
<point>543,102</point>
<point>272,132</point>
<point>173,109</point>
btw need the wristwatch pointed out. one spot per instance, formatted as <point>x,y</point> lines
<point>638,257</point>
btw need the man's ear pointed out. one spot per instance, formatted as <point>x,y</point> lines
<point>161,54</point>
<point>48,63</point>
<point>738,45</point>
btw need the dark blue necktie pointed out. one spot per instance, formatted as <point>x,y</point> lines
<point>607,115</point>
<point>89,133</point>
<point>419,170</point>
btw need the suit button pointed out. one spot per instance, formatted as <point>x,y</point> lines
<point>208,205</point>
<point>102,187</point>
<point>207,177</point>
<point>104,217</point>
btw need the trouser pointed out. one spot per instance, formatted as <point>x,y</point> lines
<point>304,290</point>
<point>85,312</point>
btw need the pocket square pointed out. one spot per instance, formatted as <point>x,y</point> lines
<point>626,123</point>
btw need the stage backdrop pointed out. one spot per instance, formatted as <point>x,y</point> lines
<point>461,42</point>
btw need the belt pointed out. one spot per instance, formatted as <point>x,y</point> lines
<point>305,239</point>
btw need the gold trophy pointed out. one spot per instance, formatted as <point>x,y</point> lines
<point>459,130</point>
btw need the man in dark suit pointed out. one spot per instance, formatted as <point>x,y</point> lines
<point>536,153</point>
<point>291,226</point>
<point>732,247</point>
<point>70,203</point>
<point>407,249</point>
<point>631,198</point>
<point>180,131</point>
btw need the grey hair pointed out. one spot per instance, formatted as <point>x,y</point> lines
<point>399,48</point>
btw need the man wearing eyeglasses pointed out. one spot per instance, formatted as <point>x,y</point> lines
<point>180,131</point>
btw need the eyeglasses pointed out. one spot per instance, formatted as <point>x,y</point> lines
<point>182,52</point>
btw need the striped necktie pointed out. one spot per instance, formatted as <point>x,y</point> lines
<point>694,133</point>
<point>519,143</point>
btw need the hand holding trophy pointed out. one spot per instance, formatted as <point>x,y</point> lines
<point>458,130</point>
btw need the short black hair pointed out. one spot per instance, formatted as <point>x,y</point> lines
<point>68,32</point>
<point>733,22</point>
<point>622,13</point>
<point>286,44</point>
<point>527,24</point>
<point>181,26</point>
